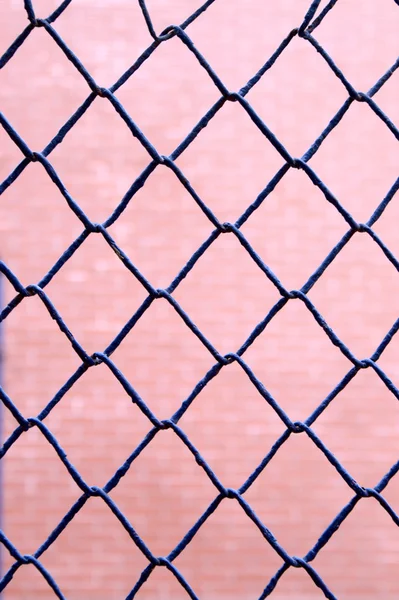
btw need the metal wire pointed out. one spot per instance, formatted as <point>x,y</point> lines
<point>304,31</point>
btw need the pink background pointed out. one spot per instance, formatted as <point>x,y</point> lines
<point>226,295</point>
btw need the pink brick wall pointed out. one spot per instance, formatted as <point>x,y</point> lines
<point>226,295</point>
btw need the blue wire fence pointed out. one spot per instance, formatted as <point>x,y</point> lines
<point>304,31</point>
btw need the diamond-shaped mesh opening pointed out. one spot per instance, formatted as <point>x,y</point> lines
<point>359,284</point>
<point>241,551</point>
<point>286,374</point>
<point>166,470</point>
<point>29,326</point>
<point>361,55</point>
<point>352,169</point>
<point>51,483</point>
<point>112,160</point>
<point>307,482</point>
<point>96,272</point>
<point>218,317</point>
<point>49,100</point>
<point>20,208</point>
<point>95,570</point>
<point>242,159</point>
<point>96,398</point>
<point>169,82</point>
<point>234,275</point>
<point>291,115</point>
<point>295,209</point>
<point>178,226</point>
<point>161,338</point>
<point>106,41</point>
<point>370,450</point>
<point>367,531</point>
<point>248,435</point>
<point>225,22</point>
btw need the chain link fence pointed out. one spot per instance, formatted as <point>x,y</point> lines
<point>306,32</point>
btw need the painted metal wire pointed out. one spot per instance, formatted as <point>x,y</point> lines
<point>304,31</point>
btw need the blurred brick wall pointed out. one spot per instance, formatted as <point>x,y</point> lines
<point>226,295</point>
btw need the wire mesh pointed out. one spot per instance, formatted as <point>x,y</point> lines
<point>304,31</point>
